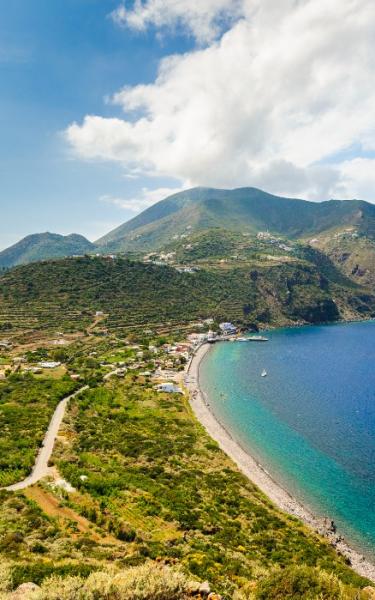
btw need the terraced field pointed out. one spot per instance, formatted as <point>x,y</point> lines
<point>65,295</point>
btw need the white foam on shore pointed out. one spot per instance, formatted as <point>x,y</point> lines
<point>251,468</point>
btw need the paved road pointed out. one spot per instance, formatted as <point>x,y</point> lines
<point>40,468</point>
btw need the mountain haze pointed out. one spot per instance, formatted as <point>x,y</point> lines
<point>245,209</point>
<point>41,246</point>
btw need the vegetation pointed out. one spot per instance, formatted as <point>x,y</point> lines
<point>153,581</point>
<point>354,256</point>
<point>26,407</point>
<point>177,496</point>
<point>144,500</point>
<point>243,210</point>
<point>42,246</point>
<point>135,295</point>
<point>206,247</point>
<point>305,583</point>
<point>155,503</point>
<point>146,582</point>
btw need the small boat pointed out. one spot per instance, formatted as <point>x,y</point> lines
<point>263,373</point>
<point>257,338</point>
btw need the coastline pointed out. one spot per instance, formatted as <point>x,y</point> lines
<point>257,475</point>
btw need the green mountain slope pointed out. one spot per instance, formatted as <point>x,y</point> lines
<point>244,209</point>
<point>135,294</point>
<point>42,246</point>
<point>353,256</point>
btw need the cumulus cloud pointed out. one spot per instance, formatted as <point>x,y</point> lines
<point>204,20</point>
<point>289,86</point>
<point>147,197</point>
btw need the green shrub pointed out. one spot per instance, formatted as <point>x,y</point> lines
<point>303,583</point>
<point>5,576</point>
<point>146,582</point>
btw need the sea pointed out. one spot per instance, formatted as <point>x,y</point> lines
<point>311,421</point>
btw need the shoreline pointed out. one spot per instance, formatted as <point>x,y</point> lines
<point>259,476</point>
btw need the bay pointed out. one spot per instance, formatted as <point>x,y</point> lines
<point>311,421</point>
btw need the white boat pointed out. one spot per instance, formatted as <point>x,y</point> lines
<point>263,373</point>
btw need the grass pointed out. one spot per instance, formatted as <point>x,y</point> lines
<point>26,407</point>
<point>174,495</point>
<point>156,490</point>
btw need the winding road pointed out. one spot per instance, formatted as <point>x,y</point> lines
<point>40,469</point>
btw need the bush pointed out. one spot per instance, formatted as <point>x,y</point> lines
<point>303,583</point>
<point>5,576</point>
<point>146,582</point>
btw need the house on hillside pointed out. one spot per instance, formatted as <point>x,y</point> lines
<point>168,388</point>
<point>228,328</point>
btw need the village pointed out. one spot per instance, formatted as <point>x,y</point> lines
<point>160,358</point>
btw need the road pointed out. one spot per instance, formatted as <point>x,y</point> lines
<point>40,468</point>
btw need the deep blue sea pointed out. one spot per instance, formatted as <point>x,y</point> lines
<point>311,421</point>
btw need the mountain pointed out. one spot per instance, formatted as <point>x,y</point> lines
<point>42,246</point>
<point>247,210</point>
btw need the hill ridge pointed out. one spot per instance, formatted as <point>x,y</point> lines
<point>246,209</point>
<point>42,246</point>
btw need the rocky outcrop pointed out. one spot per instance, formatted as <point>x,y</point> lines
<point>23,591</point>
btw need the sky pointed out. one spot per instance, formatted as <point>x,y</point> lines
<point>107,107</point>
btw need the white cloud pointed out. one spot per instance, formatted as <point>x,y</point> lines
<point>204,19</point>
<point>289,85</point>
<point>357,179</point>
<point>147,197</point>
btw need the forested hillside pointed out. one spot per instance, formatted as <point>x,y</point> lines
<point>66,293</point>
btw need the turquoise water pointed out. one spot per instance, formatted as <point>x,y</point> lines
<point>311,421</point>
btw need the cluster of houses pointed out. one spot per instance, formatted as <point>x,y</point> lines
<point>228,328</point>
<point>163,364</point>
<point>168,258</point>
<point>265,236</point>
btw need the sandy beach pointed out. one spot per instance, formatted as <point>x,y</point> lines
<point>249,467</point>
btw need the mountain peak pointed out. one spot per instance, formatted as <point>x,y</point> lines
<point>246,209</point>
<point>42,246</point>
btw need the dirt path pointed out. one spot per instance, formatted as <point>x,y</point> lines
<point>97,319</point>
<point>51,506</point>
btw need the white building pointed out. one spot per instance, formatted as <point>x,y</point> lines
<point>169,388</point>
<point>228,328</point>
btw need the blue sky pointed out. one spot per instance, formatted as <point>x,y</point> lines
<point>59,59</point>
<point>107,106</point>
